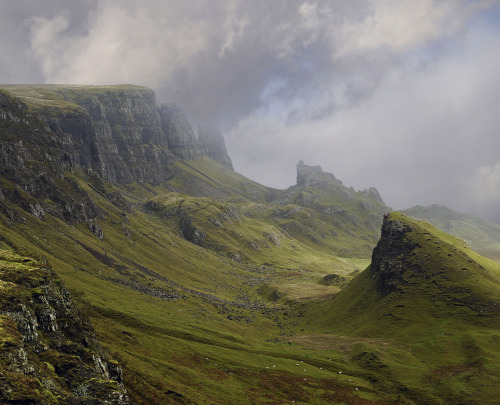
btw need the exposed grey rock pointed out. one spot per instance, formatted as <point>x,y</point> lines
<point>191,233</point>
<point>114,134</point>
<point>333,210</point>
<point>234,256</point>
<point>180,136</point>
<point>212,144</point>
<point>273,238</point>
<point>312,175</point>
<point>372,192</point>
<point>95,228</point>
<point>44,327</point>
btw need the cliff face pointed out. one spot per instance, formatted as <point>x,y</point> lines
<point>116,133</point>
<point>390,256</point>
<point>180,135</point>
<point>48,350</point>
<point>312,175</point>
<point>212,145</point>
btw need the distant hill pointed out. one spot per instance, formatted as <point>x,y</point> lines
<point>482,236</point>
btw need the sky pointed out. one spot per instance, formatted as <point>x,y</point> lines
<point>401,95</point>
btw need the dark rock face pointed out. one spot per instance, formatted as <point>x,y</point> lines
<point>48,349</point>
<point>212,144</point>
<point>119,134</point>
<point>191,233</point>
<point>114,134</point>
<point>389,258</point>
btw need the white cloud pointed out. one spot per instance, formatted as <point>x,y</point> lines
<point>419,138</point>
<point>119,45</point>
<point>487,186</point>
<point>403,25</point>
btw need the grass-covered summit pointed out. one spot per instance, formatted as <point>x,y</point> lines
<point>431,307</point>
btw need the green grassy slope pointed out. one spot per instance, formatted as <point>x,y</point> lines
<point>435,338</point>
<point>324,215</point>
<point>482,236</point>
<point>184,318</point>
<point>189,284</point>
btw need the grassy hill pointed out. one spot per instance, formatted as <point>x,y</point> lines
<point>423,319</point>
<point>482,236</point>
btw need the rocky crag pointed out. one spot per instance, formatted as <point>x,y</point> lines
<point>116,133</point>
<point>48,350</point>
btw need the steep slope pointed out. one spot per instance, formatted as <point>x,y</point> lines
<point>48,350</point>
<point>116,131</point>
<point>482,236</point>
<point>431,309</point>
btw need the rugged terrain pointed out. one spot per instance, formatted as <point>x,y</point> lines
<point>49,352</point>
<point>207,287</point>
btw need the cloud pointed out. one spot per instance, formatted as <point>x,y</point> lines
<point>484,190</point>
<point>218,58</point>
<point>420,138</point>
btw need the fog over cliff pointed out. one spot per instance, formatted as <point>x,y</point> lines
<point>400,95</point>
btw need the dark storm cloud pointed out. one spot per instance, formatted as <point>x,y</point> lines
<point>396,94</point>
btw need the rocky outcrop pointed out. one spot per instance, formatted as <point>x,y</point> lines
<point>48,350</point>
<point>118,134</point>
<point>372,192</point>
<point>116,131</point>
<point>390,256</point>
<point>191,233</point>
<point>212,145</point>
<point>312,175</point>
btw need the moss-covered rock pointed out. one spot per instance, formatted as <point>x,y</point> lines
<point>48,351</point>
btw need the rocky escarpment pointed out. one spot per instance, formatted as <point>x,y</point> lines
<point>178,132</point>
<point>116,133</point>
<point>49,353</point>
<point>312,175</point>
<point>212,145</point>
<point>413,257</point>
<point>390,256</point>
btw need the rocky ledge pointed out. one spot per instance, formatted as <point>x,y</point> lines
<point>49,353</point>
